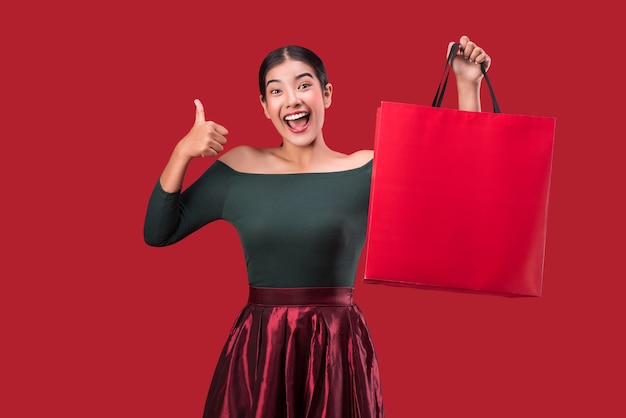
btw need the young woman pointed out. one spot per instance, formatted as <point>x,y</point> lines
<point>301,346</point>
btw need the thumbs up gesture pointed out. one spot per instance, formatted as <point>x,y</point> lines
<point>205,138</point>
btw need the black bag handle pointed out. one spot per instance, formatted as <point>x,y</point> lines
<point>444,80</point>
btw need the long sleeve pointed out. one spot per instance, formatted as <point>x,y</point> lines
<point>170,217</point>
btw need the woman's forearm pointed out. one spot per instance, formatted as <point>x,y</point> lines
<point>174,172</point>
<point>469,96</point>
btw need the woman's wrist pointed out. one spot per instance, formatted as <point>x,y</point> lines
<point>469,95</point>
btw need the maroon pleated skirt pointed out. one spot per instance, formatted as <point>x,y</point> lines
<point>297,353</point>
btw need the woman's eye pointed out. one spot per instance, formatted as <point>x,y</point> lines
<point>274,91</point>
<point>304,86</point>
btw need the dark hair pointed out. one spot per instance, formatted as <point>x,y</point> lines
<point>294,52</point>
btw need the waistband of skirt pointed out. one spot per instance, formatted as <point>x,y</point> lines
<point>298,296</point>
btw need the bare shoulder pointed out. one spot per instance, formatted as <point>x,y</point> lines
<point>342,161</point>
<point>241,157</point>
<point>361,157</point>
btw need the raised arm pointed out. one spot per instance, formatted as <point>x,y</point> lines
<point>172,214</point>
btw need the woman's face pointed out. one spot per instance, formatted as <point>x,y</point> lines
<point>295,102</point>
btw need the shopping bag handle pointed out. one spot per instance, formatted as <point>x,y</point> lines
<point>444,80</point>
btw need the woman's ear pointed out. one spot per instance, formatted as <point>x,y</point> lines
<point>328,95</point>
<point>264,106</point>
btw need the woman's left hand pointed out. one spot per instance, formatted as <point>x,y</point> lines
<point>466,64</point>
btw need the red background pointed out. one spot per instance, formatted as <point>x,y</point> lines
<point>95,95</point>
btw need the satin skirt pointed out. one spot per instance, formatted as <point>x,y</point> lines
<point>297,353</point>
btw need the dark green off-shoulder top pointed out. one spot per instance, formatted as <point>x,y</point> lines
<point>297,230</point>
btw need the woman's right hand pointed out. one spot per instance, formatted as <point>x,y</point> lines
<point>204,139</point>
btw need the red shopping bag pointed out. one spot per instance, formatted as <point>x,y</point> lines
<point>459,199</point>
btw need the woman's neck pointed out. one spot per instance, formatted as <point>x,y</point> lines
<point>304,157</point>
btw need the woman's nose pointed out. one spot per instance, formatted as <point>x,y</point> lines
<point>293,99</point>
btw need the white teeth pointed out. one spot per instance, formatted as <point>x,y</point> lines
<point>296,116</point>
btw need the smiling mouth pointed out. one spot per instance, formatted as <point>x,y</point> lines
<point>297,121</point>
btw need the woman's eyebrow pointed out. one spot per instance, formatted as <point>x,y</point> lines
<point>298,77</point>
